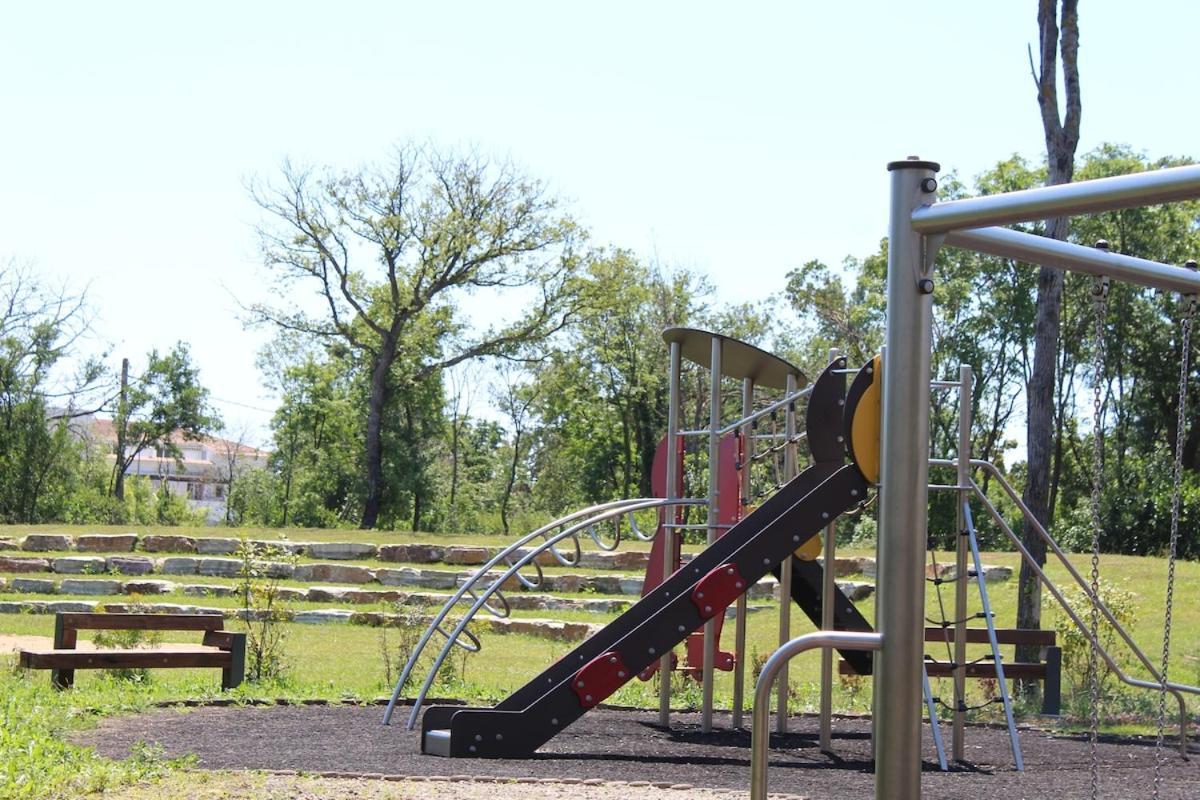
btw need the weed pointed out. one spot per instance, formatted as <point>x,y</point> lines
<point>263,607</point>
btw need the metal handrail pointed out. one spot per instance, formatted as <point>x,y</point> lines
<point>841,640</point>
<point>601,513</point>
<point>765,410</point>
<point>1175,689</point>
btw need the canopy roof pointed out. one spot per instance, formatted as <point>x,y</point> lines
<point>738,359</point>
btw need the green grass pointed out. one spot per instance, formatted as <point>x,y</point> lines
<point>343,662</point>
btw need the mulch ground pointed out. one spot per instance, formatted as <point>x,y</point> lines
<point>628,745</point>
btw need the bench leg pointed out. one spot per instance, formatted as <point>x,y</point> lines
<point>64,639</point>
<point>1052,686</point>
<point>232,676</point>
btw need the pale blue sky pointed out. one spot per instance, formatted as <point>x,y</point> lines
<point>737,139</point>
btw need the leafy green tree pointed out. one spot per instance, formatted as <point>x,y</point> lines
<point>165,403</point>
<point>392,251</point>
<point>39,457</point>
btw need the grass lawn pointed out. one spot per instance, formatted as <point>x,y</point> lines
<point>344,662</point>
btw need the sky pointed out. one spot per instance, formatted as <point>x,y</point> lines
<point>735,139</point>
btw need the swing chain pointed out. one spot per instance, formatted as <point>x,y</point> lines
<point>1180,420</point>
<point>1100,288</point>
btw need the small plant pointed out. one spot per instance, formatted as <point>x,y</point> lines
<point>129,640</point>
<point>263,607</point>
<point>398,637</point>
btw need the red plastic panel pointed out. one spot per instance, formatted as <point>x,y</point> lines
<point>718,589</point>
<point>599,678</point>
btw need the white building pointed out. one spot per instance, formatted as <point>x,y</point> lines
<point>201,473</point>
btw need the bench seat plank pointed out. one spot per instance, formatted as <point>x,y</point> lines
<point>117,659</point>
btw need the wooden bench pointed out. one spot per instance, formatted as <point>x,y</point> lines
<point>223,649</point>
<point>1049,671</point>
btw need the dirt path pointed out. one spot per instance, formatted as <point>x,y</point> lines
<point>627,746</point>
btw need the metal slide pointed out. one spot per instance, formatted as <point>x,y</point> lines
<point>599,666</point>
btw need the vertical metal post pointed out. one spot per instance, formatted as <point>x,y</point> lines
<point>965,379</point>
<point>785,567</point>
<point>903,492</point>
<point>739,645</point>
<point>671,515</point>
<point>714,499</point>
<point>828,587</point>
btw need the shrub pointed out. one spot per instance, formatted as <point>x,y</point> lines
<point>263,608</point>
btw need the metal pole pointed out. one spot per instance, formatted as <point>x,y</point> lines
<point>904,473</point>
<point>1102,194</point>
<point>1064,255</point>
<point>828,588</point>
<point>714,499</point>
<point>739,646</point>
<point>785,566</point>
<point>958,746</point>
<point>842,640</point>
<point>671,515</point>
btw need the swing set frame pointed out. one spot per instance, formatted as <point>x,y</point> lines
<point>918,228</point>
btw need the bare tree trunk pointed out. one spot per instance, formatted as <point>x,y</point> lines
<point>374,444</point>
<point>512,480</point>
<point>1062,137</point>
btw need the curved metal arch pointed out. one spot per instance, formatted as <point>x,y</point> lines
<point>591,515</point>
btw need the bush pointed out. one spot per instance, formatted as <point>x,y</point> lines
<point>1075,648</point>
<point>263,608</point>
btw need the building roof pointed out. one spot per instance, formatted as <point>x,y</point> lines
<point>103,430</point>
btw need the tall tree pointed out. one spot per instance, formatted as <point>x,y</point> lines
<point>39,329</point>
<point>164,403</point>
<point>1056,35</point>
<point>392,251</point>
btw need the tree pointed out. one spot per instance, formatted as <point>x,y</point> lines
<point>1062,137</point>
<point>166,401</point>
<point>515,397</point>
<point>392,251</point>
<point>40,327</point>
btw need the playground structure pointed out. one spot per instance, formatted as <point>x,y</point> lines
<point>810,500</point>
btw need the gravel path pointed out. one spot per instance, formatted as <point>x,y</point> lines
<point>616,745</point>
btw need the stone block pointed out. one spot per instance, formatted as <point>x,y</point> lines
<point>209,590</point>
<point>411,553</point>
<point>16,607</point>
<point>89,586</point>
<point>868,567</point>
<point>33,586</point>
<point>129,565</point>
<point>79,565</point>
<point>45,542</point>
<point>77,606</point>
<point>343,551</point>
<point>278,569</point>
<point>106,543</point>
<point>605,584</point>
<point>17,564</point>
<point>322,616</point>
<point>568,584</point>
<point>290,595</point>
<point>466,556</point>
<point>400,576</point>
<point>333,573</point>
<point>9,544</point>
<point>217,547</point>
<point>994,574</point>
<point>179,565</point>
<point>219,567</point>
<point>158,543</point>
<point>630,585</point>
<point>603,606</point>
<point>275,548</point>
<point>147,587</point>
<point>368,596</point>
<point>856,590</point>
<point>326,594</point>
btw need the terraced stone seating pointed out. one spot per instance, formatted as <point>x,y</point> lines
<point>222,649</point>
<point>54,573</point>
